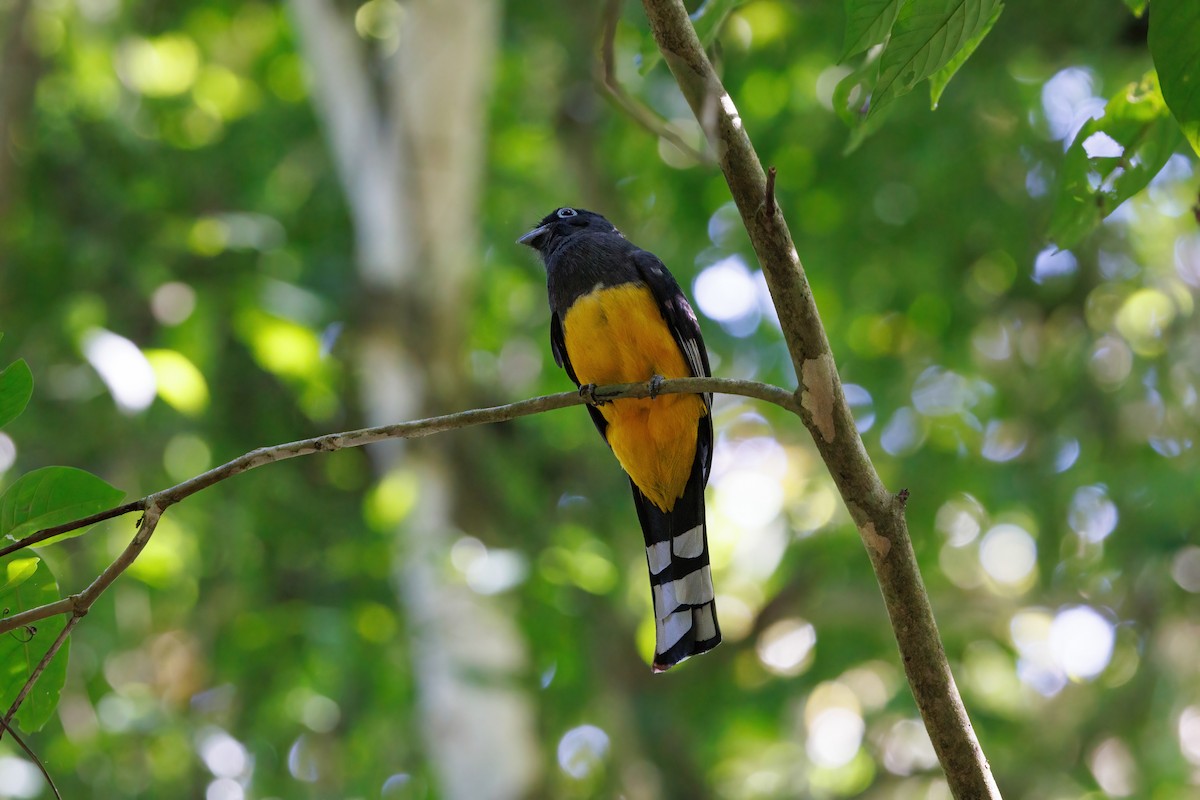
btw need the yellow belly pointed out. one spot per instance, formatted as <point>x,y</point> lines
<point>618,335</point>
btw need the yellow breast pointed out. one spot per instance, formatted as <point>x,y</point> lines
<point>617,335</point>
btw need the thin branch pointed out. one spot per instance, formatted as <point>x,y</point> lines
<point>155,504</point>
<point>47,533</point>
<point>5,728</point>
<point>878,514</point>
<point>55,646</point>
<point>637,111</point>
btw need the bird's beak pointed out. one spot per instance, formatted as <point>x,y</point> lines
<point>534,237</point>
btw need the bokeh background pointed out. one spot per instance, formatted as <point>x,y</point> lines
<point>230,224</point>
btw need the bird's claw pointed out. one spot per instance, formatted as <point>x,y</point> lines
<point>656,382</point>
<point>588,392</point>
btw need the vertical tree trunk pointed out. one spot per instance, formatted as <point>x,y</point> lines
<point>406,132</point>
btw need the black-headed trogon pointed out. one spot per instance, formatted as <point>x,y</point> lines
<point>618,316</point>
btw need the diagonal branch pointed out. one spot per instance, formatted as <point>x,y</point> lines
<point>878,514</point>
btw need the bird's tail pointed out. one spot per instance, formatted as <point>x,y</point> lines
<point>685,616</point>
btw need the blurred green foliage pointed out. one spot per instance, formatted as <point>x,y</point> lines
<point>176,265</point>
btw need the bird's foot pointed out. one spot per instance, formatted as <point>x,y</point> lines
<point>656,382</point>
<point>588,392</point>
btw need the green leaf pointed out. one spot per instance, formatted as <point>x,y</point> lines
<point>926,37</point>
<point>851,102</point>
<point>868,23</point>
<point>937,84</point>
<point>16,387</point>
<point>1089,189</point>
<point>1174,41</point>
<point>708,20</point>
<point>1138,7</point>
<point>21,650</point>
<point>51,496</point>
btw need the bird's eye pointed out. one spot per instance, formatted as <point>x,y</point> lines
<point>564,213</point>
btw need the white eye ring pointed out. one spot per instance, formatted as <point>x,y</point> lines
<point>564,213</point>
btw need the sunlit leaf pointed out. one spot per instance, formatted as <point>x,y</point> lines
<point>1138,7</point>
<point>926,37</point>
<point>939,80</point>
<point>22,650</point>
<point>1137,120</point>
<point>51,496</point>
<point>868,23</point>
<point>16,387</point>
<point>1175,46</point>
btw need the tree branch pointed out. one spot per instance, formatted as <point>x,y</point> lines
<point>878,514</point>
<point>155,504</point>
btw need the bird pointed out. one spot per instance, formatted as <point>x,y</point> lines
<point>617,315</point>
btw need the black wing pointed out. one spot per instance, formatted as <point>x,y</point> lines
<point>680,318</point>
<point>558,347</point>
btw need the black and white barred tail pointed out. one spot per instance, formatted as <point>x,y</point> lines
<point>685,616</point>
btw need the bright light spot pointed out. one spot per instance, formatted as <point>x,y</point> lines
<point>1189,734</point>
<point>1092,516</point>
<point>319,713</point>
<point>959,520</point>
<point>827,83</point>
<point>1114,768</point>
<point>8,452</point>
<point>1067,455</point>
<point>1143,319</point>
<point>1111,361</point>
<point>903,434</point>
<point>173,302</point>
<point>488,571</point>
<point>378,19</point>
<point>1009,555</point>
<point>396,786</point>
<point>725,291</point>
<point>834,737</point>
<point>1081,641</point>
<point>224,755</point>
<point>938,392</point>
<point>302,760</point>
<point>1036,666</point>
<point>582,750</point>
<point>123,368</point>
<point>1101,145</point>
<point>159,67</point>
<point>861,405</point>
<point>1068,102</point>
<point>19,778</point>
<point>224,789</point>
<point>1187,259</point>
<point>1004,440</point>
<point>786,647</point>
<point>752,498</point>
<point>907,749</point>
<point>1185,569</point>
<point>725,226</point>
<point>179,382</point>
<point>1053,263</point>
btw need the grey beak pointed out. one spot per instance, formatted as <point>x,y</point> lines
<point>534,237</point>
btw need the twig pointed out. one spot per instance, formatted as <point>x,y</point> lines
<point>47,533</point>
<point>5,728</point>
<point>155,504</point>
<point>636,110</point>
<point>878,514</point>
<point>769,203</point>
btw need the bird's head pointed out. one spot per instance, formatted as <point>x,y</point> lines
<point>562,224</point>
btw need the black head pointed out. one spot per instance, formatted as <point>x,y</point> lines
<point>562,224</point>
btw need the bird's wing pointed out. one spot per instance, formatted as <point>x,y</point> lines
<point>681,319</point>
<point>558,347</point>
